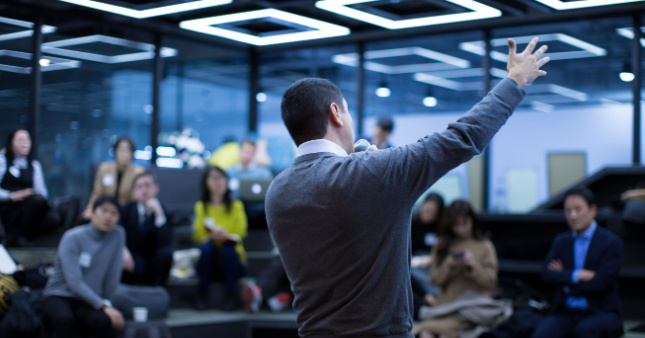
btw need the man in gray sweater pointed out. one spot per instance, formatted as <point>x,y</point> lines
<point>86,273</point>
<point>341,220</point>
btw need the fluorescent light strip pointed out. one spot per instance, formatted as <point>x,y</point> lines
<point>445,61</point>
<point>559,5</point>
<point>57,63</point>
<point>479,11</point>
<point>46,29</point>
<point>148,49</point>
<point>629,33</point>
<point>149,13</point>
<point>322,29</point>
<point>587,49</point>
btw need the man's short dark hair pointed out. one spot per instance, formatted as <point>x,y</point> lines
<point>145,173</point>
<point>583,192</point>
<point>106,199</point>
<point>126,140</point>
<point>248,141</point>
<point>305,105</point>
<point>385,123</point>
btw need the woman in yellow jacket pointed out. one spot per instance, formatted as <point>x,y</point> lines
<point>219,227</point>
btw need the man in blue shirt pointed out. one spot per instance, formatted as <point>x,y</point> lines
<point>583,265</point>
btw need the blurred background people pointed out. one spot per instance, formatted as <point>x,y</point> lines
<point>115,178</point>
<point>24,210</point>
<point>382,132</point>
<point>220,225</point>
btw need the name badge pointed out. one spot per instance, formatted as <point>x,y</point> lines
<point>85,259</point>
<point>14,171</point>
<point>108,180</point>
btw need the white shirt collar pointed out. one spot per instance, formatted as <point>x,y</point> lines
<point>320,146</point>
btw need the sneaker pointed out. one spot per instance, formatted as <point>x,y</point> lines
<point>280,301</point>
<point>251,295</point>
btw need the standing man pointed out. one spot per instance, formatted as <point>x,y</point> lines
<point>584,265</point>
<point>148,235</point>
<point>341,220</point>
<point>86,274</point>
<point>382,132</point>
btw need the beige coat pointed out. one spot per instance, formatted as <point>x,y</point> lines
<point>453,282</point>
<point>105,182</point>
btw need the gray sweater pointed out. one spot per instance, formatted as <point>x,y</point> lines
<point>89,264</point>
<point>342,224</point>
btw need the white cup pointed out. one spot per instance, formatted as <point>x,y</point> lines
<point>140,314</point>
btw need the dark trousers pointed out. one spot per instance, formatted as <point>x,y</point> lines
<point>68,317</point>
<point>273,279</point>
<point>580,325</point>
<point>150,270</point>
<point>215,263</point>
<point>30,217</point>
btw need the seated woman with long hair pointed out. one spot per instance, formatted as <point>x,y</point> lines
<point>219,227</point>
<point>463,259</point>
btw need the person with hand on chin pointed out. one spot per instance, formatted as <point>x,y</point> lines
<point>341,220</point>
<point>86,274</point>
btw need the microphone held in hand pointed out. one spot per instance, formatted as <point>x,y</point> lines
<point>362,145</point>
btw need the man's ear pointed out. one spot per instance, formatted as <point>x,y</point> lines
<point>334,115</point>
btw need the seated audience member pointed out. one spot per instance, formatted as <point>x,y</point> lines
<point>115,178</point>
<point>87,272</point>
<point>219,227</point>
<point>583,265</point>
<point>227,155</point>
<point>382,132</point>
<point>247,169</point>
<point>148,235</point>
<point>272,288</point>
<point>24,210</point>
<point>463,261</point>
<point>424,236</point>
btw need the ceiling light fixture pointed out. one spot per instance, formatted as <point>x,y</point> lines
<point>54,63</point>
<point>148,13</point>
<point>445,61</point>
<point>561,5</point>
<point>22,34</point>
<point>261,97</point>
<point>383,90</point>
<point>429,100</point>
<point>478,11</point>
<point>629,33</point>
<point>321,29</point>
<point>148,50</point>
<point>626,74</point>
<point>586,49</point>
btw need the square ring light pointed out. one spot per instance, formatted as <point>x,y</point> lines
<point>562,5</point>
<point>148,50</point>
<point>477,11</point>
<point>586,49</point>
<point>151,12</point>
<point>320,29</point>
<point>56,63</point>
<point>445,61</point>
<point>22,34</point>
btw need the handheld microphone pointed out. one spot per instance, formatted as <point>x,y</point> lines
<point>362,145</point>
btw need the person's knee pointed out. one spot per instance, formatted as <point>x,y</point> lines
<point>207,249</point>
<point>100,322</point>
<point>228,252</point>
<point>36,201</point>
<point>587,329</point>
<point>53,319</point>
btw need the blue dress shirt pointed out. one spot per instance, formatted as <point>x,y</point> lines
<point>580,248</point>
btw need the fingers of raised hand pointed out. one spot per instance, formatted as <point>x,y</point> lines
<point>538,53</point>
<point>512,47</point>
<point>529,49</point>
<point>541,62</point>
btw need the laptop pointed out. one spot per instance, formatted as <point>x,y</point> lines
<point>253,190</point>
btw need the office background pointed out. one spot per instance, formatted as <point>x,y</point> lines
<point>121,84</point>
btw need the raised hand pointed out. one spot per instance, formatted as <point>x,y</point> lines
<point>524,67</point>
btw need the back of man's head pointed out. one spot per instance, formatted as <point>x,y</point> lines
<point>583,192</point>
<point>305,105</point>
<point>385,123</point>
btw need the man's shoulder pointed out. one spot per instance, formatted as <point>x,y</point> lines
<point>76,232</point>
<point>608,236</point>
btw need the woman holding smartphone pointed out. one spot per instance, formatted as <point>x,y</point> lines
<point>219,227</point>
<point>463,259</point>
